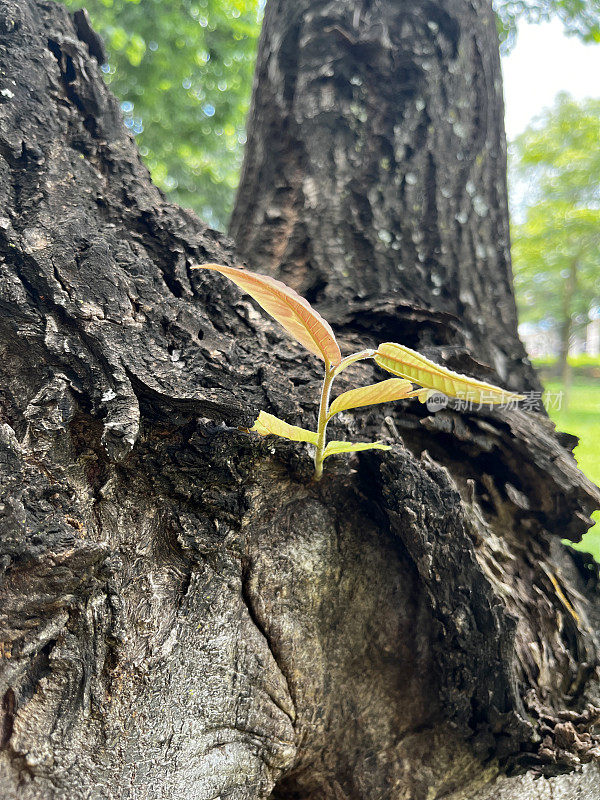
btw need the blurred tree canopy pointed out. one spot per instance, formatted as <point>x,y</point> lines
<point>555,169</point>
<point>580,17</point>
<point>183,72</point>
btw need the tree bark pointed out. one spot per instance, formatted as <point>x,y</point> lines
<point>185,613</point>
<point>566,328</point>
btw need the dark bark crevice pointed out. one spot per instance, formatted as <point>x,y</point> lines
<point>248,596</point>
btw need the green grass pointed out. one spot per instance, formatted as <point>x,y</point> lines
<point>582,360</point>
<point>582,417</point>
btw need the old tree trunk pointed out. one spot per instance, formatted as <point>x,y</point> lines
<point>185,614</point>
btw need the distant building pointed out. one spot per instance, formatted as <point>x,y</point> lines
<point>592,341</point>
<point>541,339</point>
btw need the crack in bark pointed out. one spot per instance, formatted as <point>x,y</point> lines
<point>246,596</point>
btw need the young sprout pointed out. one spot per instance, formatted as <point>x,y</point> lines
<point>309,328</point>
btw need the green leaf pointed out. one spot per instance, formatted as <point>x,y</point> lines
<point>333,448</point>
<point>382,392</point>
<point>267,424</point>
<point>401,360</point>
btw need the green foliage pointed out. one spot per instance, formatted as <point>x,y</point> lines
<point>556,242</point>
<point>580,17</point>
<point>307,326</point>
<point>183,71</point>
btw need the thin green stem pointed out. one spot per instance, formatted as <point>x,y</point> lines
<point>322,423</point>
<point>324,416</point>
<point>345,362</point>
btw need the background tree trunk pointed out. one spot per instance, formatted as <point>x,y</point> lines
<point>566,331</point>
<point>184,612</point>
<point>374,180</point>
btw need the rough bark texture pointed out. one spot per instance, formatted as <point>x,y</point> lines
<point>184,613</point>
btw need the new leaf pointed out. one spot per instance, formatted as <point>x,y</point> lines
<point>401,360</point>
<point>383,392</point>
<point>290,310</point>
<point>333,448</point>
<point>268,424</point>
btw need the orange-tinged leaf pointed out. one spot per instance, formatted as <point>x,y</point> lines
<point>267,424</point>
<point>333,448</point>
<point>382,392</point>
<point>290,310</point>
<point>401,360</point>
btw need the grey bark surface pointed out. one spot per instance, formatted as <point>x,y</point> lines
<point>184,613</point>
